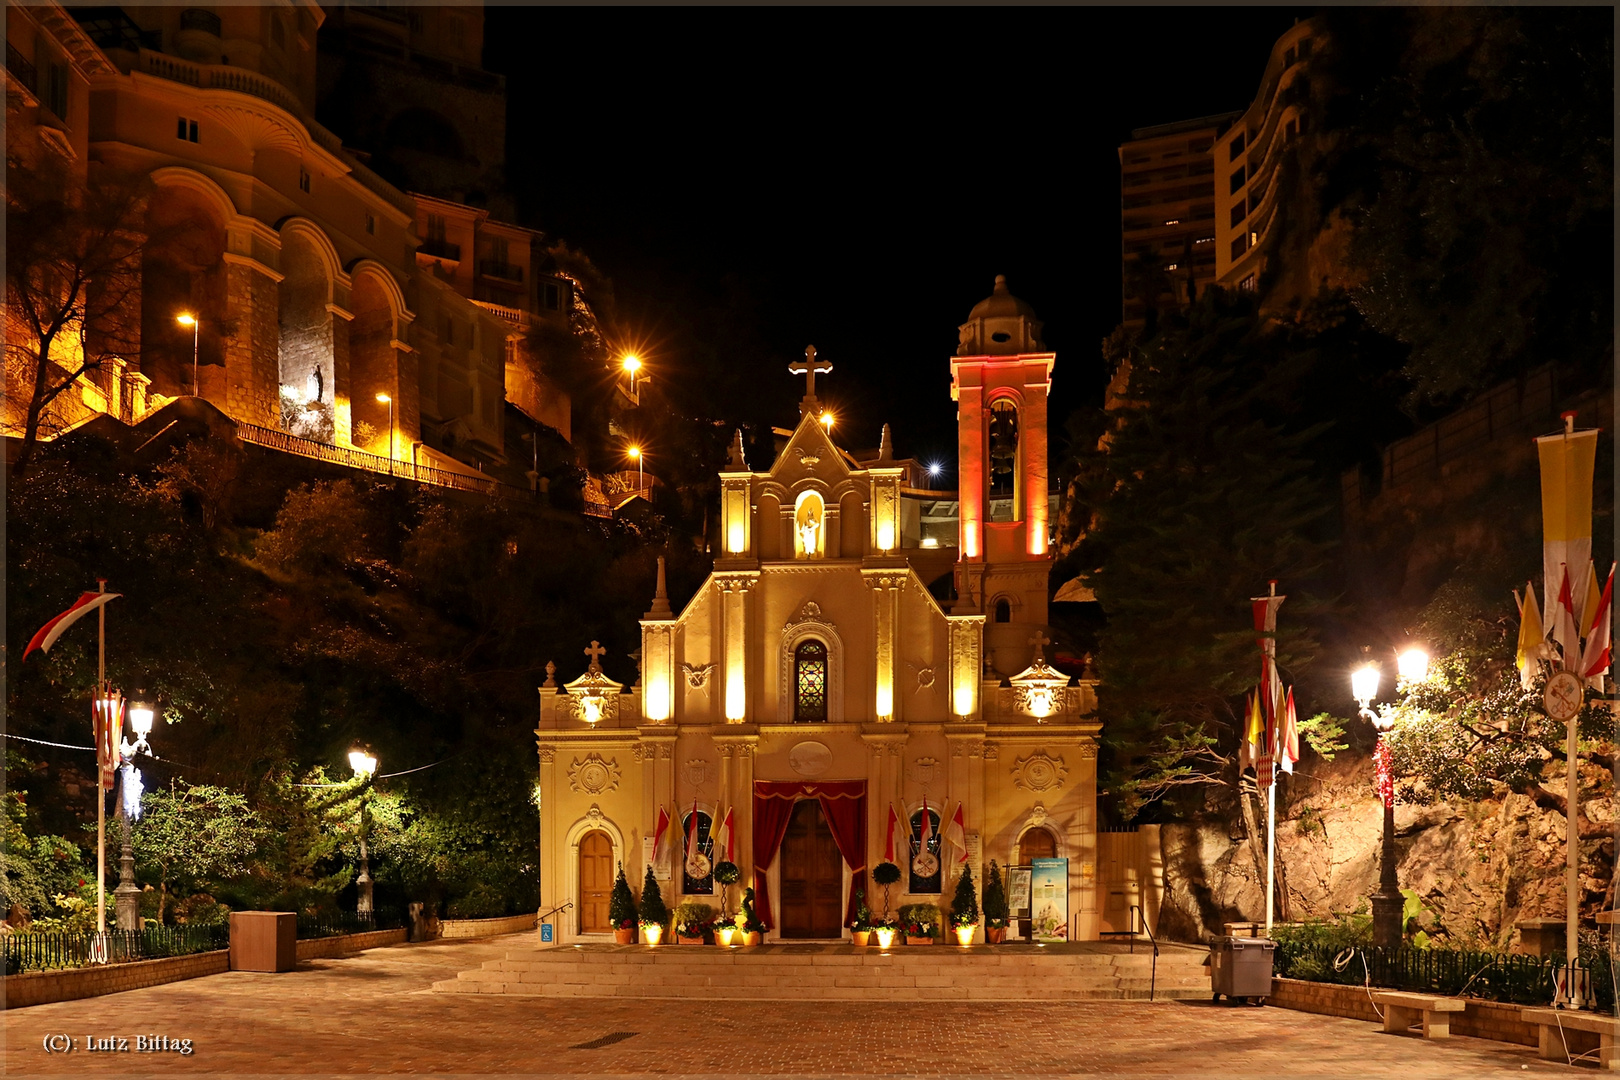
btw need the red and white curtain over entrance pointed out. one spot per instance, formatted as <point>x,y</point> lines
<point>843,803</point>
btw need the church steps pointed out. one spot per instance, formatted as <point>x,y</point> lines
<point>906,974</point>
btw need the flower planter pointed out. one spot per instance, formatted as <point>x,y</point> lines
<point>860,937</point>
<point>752,937</point>
<point>964,934</point>
<point>625,936</point>
<point>652,934</point>
<point>885,936</point>
<point>689,939</point>
<point>918,940</point>
<point>725,936</point>
<point>995,935</point>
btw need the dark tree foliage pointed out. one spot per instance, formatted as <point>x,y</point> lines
<point>621,903</point>
<point>965,902</point>
<point>995,898</point>
<point>654,912</point>
<point>1471,149</point>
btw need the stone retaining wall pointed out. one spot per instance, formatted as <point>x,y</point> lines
<point>44,987</point>
<point>1481,1020</point>
<point>474,928</point>
<point>314,948</point>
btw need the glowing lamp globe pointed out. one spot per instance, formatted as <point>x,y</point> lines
<point>1364,683</point>
<point>140,720</point>
<point>186,319</point>
<point>632,364</point>
<point>362,763</point>
<point>1413,665</point>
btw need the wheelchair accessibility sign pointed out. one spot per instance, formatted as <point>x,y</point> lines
<point>545,932</point>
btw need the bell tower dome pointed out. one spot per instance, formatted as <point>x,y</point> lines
<point>1000,378</point>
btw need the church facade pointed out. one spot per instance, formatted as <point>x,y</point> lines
<point>816,692</point>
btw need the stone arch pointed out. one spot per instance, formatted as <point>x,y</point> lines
<point>768,527</point>
<point>1004,456</point>
<point>851,525</point>
<point>373,359</point>
<point>593,820</point>
<point>1005,608</point>
<point>810,623</point>
<point>306,358</point>
<point>1060,849</point>
<point>183,270</point>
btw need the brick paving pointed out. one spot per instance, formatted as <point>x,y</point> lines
<point>375,1013</point>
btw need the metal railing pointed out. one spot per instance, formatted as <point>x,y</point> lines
<point>1153,981</point>
<point>26,950</point>
<point>359,459</point>
<point>1506,977</point>
<point>336,924</point>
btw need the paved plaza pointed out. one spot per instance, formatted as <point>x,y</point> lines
<point>375,1013</point>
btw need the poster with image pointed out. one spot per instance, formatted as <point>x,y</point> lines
<point>1049,899</point>
<point>1018,889</point>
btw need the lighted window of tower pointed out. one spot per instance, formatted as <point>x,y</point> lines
<point>810,682</point>
<point>1004,475</point>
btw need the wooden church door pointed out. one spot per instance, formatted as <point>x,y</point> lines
<point>1037,843</point>
<point>595,882</point>
<point>812,876</point>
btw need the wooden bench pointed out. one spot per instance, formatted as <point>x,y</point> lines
<point>1558,1025</point>
<point>1403,1009</point>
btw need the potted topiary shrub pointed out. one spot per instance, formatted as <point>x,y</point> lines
<point>965,908</point>
<point>921,923</point>
<point>860,931</point>
<point>995,906</point>
<point>725,930</point>
<point>748,921</point>
<point>622,911</point>
<point>654,912</point>
<point>692,919</point>
<point>885,874</point>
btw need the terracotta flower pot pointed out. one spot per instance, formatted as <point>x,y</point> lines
<point>652,934</point>
<point>752,937</point>
<point>925,940</point>
<point>689,939</point>
<point>964,934</point>
<point>624,936</point>
<point>860,937</point>
<point>995,935</point>
<point>885,936</point>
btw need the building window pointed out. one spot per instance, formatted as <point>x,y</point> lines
<point>303,181</point>
<point>498,250</point>
<point>553,298</point>
<point>185,130</point>
<point>1239,212</point>
<point>1305,48</point>
<point>1171,266</point>
<point>435,227</point>
<point>1235,148</point>
<point>705,845</point>
<point>371,224</point>
<point>1247,284</point>
<point>1239,246</point>
<point>920,884</point>
<point>810,682</point>
<point>1003,610</point>
<point>278,33</point>
<point>1238,180</point>
<point>56,89</point>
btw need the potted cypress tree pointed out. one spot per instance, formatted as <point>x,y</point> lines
<point>965,908</point>
<point>622,911</point>
<point>995,906</point>
<point>654,912</point>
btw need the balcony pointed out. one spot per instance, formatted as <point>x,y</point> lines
<point>440,249</point>
<point>20,69</point>
<point>200,19</point>
<point>505,271</point>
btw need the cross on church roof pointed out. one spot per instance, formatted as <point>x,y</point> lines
<point>595,652</point>
<point>1039,640</point>
<point>810,367</point>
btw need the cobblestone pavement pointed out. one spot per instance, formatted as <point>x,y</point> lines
<point>374,1013</point>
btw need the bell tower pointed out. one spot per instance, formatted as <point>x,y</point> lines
<point>1000,378</point>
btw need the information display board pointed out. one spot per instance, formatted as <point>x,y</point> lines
<point>1049,899</point>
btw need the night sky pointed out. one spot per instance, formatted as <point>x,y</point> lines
<point>756,180</point>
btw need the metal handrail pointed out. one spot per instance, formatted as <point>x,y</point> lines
<point>1153,981</point>
<point>564,906</point>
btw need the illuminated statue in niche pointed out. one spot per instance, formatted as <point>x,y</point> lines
<point>315,385</point>
<point>809,526</point>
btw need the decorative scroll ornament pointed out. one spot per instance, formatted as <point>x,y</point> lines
<point>1039,772</point>
<point>697,676</point>
<point>1040,690</point>
<point>593,775</point>
<point>810,612</point>
<point>593,697</point>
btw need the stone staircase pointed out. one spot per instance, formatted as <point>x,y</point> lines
<point>1083,971</point>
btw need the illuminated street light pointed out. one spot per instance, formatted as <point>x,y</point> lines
<point>632,364</point>
<point>365,767</point>
<point>127,897</point>
<point>827,421</point>
<point>635,452</point>
<point>1387,902</point>
<point>186,318</point>
<point>390,403</point>
<point>1413,664</point>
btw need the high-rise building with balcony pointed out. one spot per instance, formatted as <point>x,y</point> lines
<point>1167,214</point>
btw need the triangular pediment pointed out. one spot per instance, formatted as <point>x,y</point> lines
<point>810,454</point>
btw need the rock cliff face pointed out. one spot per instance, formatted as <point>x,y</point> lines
<point>1479,867</point>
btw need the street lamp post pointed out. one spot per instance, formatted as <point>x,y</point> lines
<point>385,399</point>
<point>127,897</point>
<point>1387,902</point>
<point>186,318</point>
<point>635,452</point>
<point>632,364</point>
<point>364,766</point>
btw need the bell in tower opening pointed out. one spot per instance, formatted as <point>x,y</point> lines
<point>1003,461</point>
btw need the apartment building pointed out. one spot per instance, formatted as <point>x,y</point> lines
<point>1167,214</point>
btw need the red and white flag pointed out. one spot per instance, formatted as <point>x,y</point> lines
<point>691,830</point>
<point>109,713</point>
<point>1288,738</point>
<point>84,605</point>
<point>723,843</point>
<point>955,831</point>
<point>1599,638</point>
<point>660,831</point>
<point>927,827</point>
<point>894,823</point>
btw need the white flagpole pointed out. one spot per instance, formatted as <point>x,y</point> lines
<point>1271,848</point>
<point>101,790</point>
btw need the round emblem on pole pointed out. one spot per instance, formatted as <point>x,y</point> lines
<point>1563,696</point>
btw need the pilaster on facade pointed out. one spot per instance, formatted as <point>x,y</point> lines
<point>886,586</point>
<point>735,588</point>
<point>967,665</point>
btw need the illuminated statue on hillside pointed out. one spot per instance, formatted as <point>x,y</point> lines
<point>315,385</point>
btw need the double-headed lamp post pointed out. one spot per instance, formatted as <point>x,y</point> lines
<point>1387,902</point>
<point>365,767</point>
<point>186,318</point>
<point>127,897</point>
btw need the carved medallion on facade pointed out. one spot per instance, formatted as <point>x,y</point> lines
<point>593,775</point>
<point>923,770</point>
<point>697,772</point>
<point>697,676</point>
<point>1039,772</point>
<point>810,759</point>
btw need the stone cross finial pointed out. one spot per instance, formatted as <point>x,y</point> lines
<point>595,652</point>
<point>810,367</point>
<point>1039,640</point>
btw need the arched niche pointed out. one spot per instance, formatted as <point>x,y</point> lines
<point>809,526</point>
<point>183,272</point>
<point>768,526</point>
<point>373,361</point>
<point>305,360</point>
<point>851,526</point>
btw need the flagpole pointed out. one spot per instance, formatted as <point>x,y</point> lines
<point>101,775</point>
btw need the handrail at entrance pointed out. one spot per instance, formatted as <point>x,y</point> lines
<point>564,906</point>
<point>1153,982</point>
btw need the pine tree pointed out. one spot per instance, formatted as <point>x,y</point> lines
<point>621,905</point>
<point>653,910</point>
<point>995,899</point>
<point>965,904</point>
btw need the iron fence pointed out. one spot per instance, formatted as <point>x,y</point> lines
<point>1507,977</point>
<point>26,950</point>
<point>335,924</point>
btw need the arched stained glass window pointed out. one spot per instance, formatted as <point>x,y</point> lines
<point>810,682</point>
